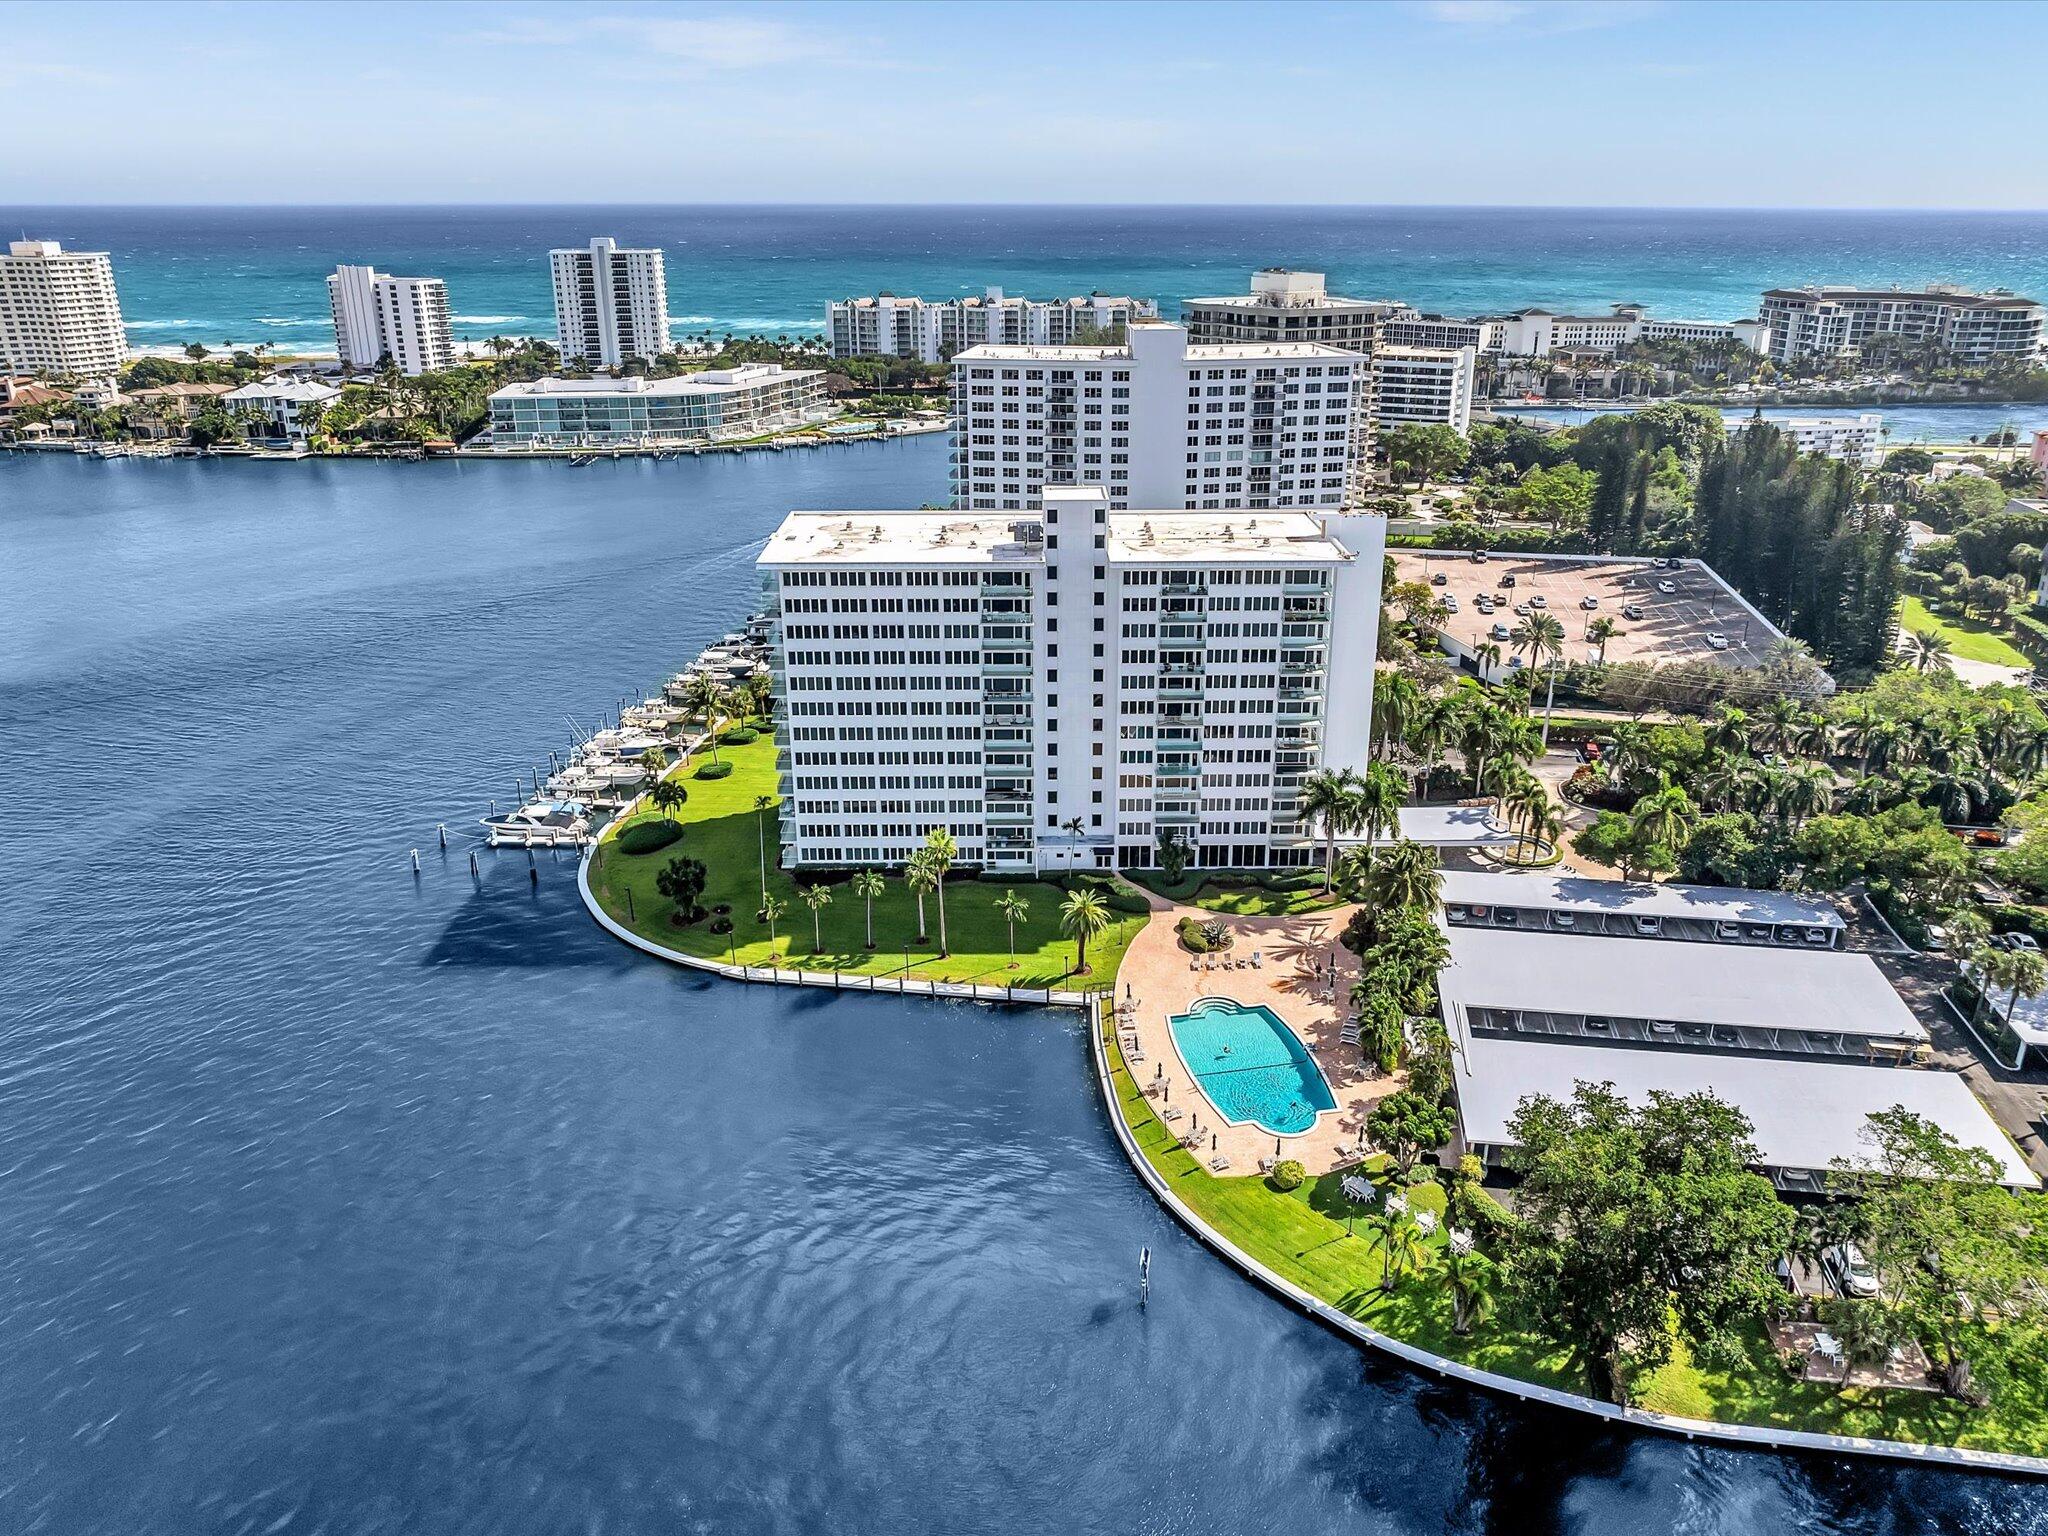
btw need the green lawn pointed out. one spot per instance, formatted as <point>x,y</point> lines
<point>1261,893</point>
<point>722,828</point>
<point>1971,639</point>
<point>1301,1236</point>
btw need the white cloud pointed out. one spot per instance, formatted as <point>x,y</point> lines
<point>698,43</point>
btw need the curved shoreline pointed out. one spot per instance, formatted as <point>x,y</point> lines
<point>1746,1436</point>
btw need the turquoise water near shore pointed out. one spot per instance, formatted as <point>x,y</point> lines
<point>1905,423</point>
<point>257,274</point>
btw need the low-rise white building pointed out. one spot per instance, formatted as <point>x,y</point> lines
<point>1540,332</point>
<point>1158,421</point>
<point>403,318</point>
<point>932,330</point>
<point>1855,439</point>
<point>59,313</point>
<point>279,407</point>
<point>1422,387</point>
<point>710,406</point>
<point>1407,328</point>
<point>1971,327</point>
<point>1059,687</point>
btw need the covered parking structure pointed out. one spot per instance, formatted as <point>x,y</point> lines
<point>1623,909</point>
<point>1803,1115</point>
<point>1714,997</point>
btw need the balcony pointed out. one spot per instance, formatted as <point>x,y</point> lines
<point>1176,815</point>
<point>1303,634</point>
<point>1182,631</point>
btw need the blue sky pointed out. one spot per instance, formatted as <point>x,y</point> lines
<point>1627,102</point>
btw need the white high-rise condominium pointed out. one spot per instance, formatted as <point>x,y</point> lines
<point>1058,688</point>
<point>1156,421</point>
<point>1423,387</point>
<point>611,304</point>
<point>59,312</point>
<point>932,330</point>
<point>1969,327</point>
<point>1285,305</point>
<point>403,318</point>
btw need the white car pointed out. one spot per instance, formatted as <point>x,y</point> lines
<point>1718,640</point>
<point>1667,587</point>
<point>1500,632</point>
<point>1538,600</point>
<point>1589,601</point>
<point>1451,603</point>
<point>1848,1270</point>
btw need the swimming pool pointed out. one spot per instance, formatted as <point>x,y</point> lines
<point>1251,1065</point>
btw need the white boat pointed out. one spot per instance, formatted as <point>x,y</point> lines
<point>540,824</point>
<point>629,742</point>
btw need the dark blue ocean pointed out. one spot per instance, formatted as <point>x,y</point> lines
<point>338,1201</point>
<point>249,275</point>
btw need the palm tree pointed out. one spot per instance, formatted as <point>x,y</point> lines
<point>703,694</point>
<point>1600,631</point>
<point>771,909</point>
<point>1083,915</point>
<point>1959,789</point>
<point>1806,791</point>
<point>1013,909</point>
<point>1400,1239</point>
<point>1776,724</point>
<point>1406,877</point>
<point>940,851</point>
<point>1395,700</point>
<point>1528,808</point>
<point>1376,803</point>
<point>867,884</point>
<point>1478,730</point>
<point>2026,974</point>
<point>761,805</point>
<point>1925,653</point>
<point>666,796</point>
<point>1539,634</point>
<point>817,898</point>
<point>917,874</point>
<point>1470,1274</point>
<point>1666,815</point>
<point>1729,731</point>
<point>654,763</point>
<point>1330,798</point>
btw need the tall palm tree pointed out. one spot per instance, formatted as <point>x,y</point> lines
<point>1478,730</point>
<point>1395,700</point>
<point>817,898</point>
<point>771,909</point>
<point>1600,631</point>
<point>1331,799</point>
<point>2026,973</point>
<point>918,875</point>
<point>867,884</point>
<point>666,796</point>
<point>1540,634</point>
<point>1013,909</point>
<point>1083,915</point>
<point>1400,1239</point>
<point>1376,803</point>
<point>1805,791</point>
<point>1775,725</point>
<point>1729,730</point>
<point>653,763</point>
<point>940,850</point>
<point>1528,808</point>
<point>1925,653</point>
<point>1852,732</point>
<point>703,695</point>
<point>1666,815</point>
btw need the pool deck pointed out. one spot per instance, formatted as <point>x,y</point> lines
<point>1160,985</point>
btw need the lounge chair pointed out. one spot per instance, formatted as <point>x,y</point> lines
<point>1218,1163</point>
<point>1174,1112</point>
<point>1258,960</point>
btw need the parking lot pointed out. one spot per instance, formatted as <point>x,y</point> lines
<point>1674,626</point>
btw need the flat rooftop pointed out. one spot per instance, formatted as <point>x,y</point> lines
<point>1674,626</point>
<point>1803,1114</point>
<point>1714,984</point>
<point>1573,893</point>
<point>711,381</point>
<point>1140,537</point>
<point>1210,352</point>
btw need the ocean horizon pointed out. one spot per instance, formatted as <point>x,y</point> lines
<point>248,273</point>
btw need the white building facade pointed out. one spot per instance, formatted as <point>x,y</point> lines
<point>1286,305</point>
<point>1158,422</point>
<point>1854,439</point>
<point>403,318</point>
<point>59,312</point>
<point>711,406</point>
<point>1059,688</point>
<point>611,304</point>
<point>1423,387</point>
<point>1988,327</point>
<point>280,407</point>
<point>1540,332</point>
<point>932,330</point>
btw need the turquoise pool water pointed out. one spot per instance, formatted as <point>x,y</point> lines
<point>1250,1065</point>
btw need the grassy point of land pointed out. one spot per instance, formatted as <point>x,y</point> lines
<point>722,828</point>
<point>1971,639</point>
<point>1301,1236</point>
<point>1250,894</point>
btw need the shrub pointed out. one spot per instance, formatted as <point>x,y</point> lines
<point>721,925</point>
<point>1192,936</point>
<point>739,736</point>
<point>1288,1175</point>
<point>1117,896</point>
<point>648,834</point>
<point>714,771</point>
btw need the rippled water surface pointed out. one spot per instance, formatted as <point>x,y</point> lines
<point>335,1201</point>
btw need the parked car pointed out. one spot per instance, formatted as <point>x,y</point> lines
<point>1631,610</point>
<point>1848,1270</point>
<point>1479,557</point>
<point>1451,603</point>
<point>1589,601</point>
<point>1667,587</point>
<point>2022,941</point>
<point>1649,927</point>
<point>1589,751</point>
<point>1538,600</point>
<point>1507,579</point>
<point>1717,640</point>
<point>1439,580</point>
<point>1727,930</point>
<point>1500,632</point>
<point>1522,609</point>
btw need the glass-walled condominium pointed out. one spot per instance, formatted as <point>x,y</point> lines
<point>1059,689</point>
<point>714,405</point>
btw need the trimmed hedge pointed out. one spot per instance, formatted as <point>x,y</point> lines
<point>1117,896</point>
<point>713,771</point>
<point>739,736</point>
<point>648,834</point>
<point>1289,1176</point>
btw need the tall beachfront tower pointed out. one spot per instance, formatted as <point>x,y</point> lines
<point>1059,687</point>
<point>403,318</point>
<point>1157,421</point>
<point>932,330</point>
<point>611,304</point>
<point>59,312</point>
